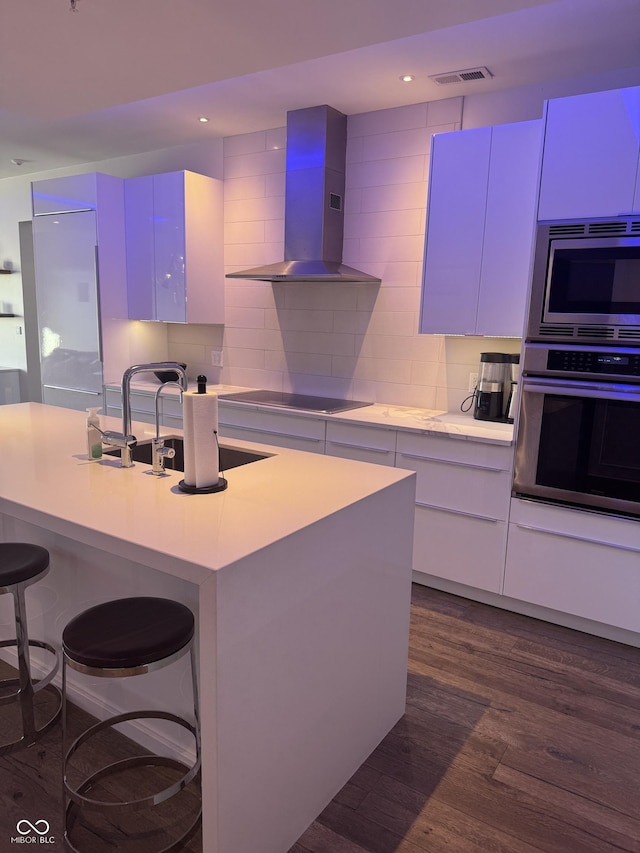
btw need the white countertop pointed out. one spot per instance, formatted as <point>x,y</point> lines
<point>451,424</point>
<point>45,472</point>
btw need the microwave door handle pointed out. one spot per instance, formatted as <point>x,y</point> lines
<point>581,389</point>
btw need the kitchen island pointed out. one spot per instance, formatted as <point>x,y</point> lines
<point>299,574</point>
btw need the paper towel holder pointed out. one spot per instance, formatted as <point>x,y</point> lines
<point>220,486</point>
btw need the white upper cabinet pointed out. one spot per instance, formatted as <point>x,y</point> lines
<point>459,174</point>
<point>591,156</point>
<point>175,266</point>
<point>481,216</point>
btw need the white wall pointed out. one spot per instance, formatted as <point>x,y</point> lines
<point>358,341</point>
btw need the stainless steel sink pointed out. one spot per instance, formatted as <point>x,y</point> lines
<point>230,457</point>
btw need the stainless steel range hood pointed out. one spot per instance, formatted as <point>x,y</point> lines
<point>314,202</point>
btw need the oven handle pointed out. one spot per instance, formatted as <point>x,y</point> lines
<point>568,388</point>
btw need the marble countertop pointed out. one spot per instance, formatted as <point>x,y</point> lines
<point>454,425</point>
<point>46,473</point>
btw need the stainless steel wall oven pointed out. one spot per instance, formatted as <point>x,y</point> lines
<point>578,440</point>
<point>578,432</point>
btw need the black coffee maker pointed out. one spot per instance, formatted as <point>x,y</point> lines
<point>494,380</point>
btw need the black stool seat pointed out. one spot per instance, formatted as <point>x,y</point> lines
<point>21,561</point>
<point>128,633</point>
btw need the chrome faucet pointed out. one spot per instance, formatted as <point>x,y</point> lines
<point>124,440</point>
<point>158,451</point>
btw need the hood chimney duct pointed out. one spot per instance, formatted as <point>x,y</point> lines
<point>314,202</point>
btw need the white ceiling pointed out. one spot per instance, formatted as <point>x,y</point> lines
<point>119,77</point>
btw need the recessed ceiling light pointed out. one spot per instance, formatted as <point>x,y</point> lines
<point>407,78</point>
<point>203,119</point>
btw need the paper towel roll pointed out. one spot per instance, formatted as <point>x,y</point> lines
<point>200,419</point>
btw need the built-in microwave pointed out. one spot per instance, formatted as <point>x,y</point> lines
<point>586,282</point>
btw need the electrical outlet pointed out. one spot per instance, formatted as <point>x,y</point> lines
<point>216,357</point>
<point>473,381</point>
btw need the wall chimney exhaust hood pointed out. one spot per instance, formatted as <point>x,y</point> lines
<point>314,196</point>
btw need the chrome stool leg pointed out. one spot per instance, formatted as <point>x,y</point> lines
<point>26,687</point>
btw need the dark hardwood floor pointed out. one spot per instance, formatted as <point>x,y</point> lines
<point>519,736</point>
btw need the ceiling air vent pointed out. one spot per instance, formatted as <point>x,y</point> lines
<point>634,227</point>
<point>465,76</point>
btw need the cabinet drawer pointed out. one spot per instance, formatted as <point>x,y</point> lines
<point>143,402</point>
<point>173,423</point>
<point>139,400</point>
<point>258,436</point>
<point>583,575</point>
<point>442,447</point>
<point>113,397</point>
<point>460,548</point>
<point>171,405</point>
<point>362,442</point>
<point>287,430</point>
<point>482,492</point>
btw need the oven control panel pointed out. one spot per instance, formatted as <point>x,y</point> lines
<point>594,361</point>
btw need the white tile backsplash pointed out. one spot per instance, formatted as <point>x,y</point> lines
<point>253,186</point>
<point>343,340</point>
<point>244,232</point>
<point>441,112</point>
<point>397,143</point>
<point>259,163</point>
<point>253,209</point>
<point>398,170</point>
<point>398,118</point>
<point>383,223</point>
<point>393,197</point>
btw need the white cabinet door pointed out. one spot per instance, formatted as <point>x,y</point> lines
<point>459,174</point>
<point>267,427</point>
<point>514,174</point>
<point>174,234</point>
<point>481,216</point>
<point>462,548</point>
<point>591,151</point>
<point>462,503</point>
<point>65,195</point>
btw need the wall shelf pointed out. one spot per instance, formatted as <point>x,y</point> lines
<point>5,272</point>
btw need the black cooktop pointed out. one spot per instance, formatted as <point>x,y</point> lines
<point>287,400</point>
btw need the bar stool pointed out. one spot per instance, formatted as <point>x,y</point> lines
<point>119,639</point>
<point>23,564</point>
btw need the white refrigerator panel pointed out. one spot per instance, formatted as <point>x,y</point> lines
<point>65,253</point>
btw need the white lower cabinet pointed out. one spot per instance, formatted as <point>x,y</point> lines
<point>575,562</point>
<point>462,505</point>
<point>278,428</point>
<point>459,547</point>
<point>361,442</point>
<point>143,405</point>
<point>468,531</point>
